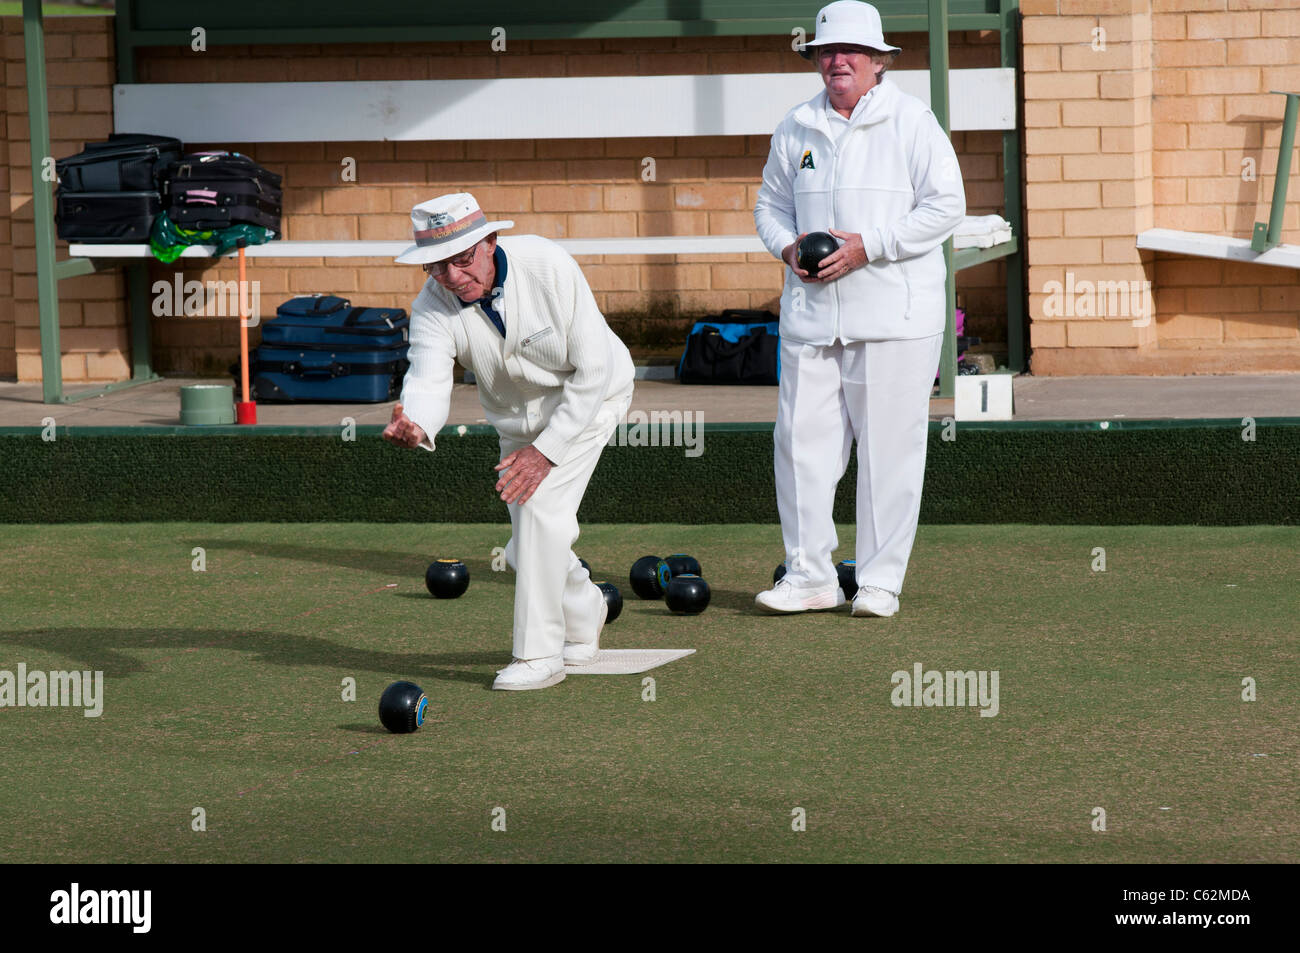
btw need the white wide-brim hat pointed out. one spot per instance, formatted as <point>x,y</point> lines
<point>446,226</point>
<point>849,21</point>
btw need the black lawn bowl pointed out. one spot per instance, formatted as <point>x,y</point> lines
<point>679,564</point>
<point>813,247</point>
<point>687,595</point>
<point>847,571</point>
<point>402,707</point>
<point>613,599</point>
<point>649,577</point>
<point>447,578</point>
<point>778,574</point>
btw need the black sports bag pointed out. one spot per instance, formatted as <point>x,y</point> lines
<point>219,189</point>
<point>127,162</point>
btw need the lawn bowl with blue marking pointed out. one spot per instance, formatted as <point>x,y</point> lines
<point>402,707</point>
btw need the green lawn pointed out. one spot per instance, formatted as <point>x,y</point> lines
<point>1119,690</point>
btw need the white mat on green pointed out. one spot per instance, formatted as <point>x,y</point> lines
<point>627,661</point>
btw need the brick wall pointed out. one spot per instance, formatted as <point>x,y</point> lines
<point>556,188</point>
<point>92,310</point>
<point>1156,114</point>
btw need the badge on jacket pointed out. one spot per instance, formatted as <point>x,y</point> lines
<point>807,161</point>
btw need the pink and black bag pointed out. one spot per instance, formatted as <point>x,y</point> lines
<point>209,190</point>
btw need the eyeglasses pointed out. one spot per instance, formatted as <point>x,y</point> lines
<point>437,269</point>
<point>829,51</point>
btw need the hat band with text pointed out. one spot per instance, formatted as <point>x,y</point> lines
<point>435,236</point>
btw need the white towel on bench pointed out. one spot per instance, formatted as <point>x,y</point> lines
<point>981,231</point>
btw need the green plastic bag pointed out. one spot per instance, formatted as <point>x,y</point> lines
<point>167,241</point>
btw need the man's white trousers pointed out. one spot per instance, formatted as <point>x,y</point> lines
<point>555,598</point>
<point>877,392</point>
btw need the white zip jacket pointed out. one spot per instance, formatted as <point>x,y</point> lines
<point>893,177</point>
<point>544,383</point>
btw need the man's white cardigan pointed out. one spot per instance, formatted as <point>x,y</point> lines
<point>545,381</point>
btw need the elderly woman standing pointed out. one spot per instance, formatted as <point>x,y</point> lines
<point>861,340</point>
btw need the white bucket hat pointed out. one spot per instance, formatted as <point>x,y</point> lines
<point>849,21</point>
<point>445,226</point>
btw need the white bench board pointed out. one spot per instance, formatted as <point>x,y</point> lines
<point>1203,245</point>
<point>585,107</point>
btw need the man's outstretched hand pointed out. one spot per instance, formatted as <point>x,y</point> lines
<point>524,472</point>
<point>402,430</point>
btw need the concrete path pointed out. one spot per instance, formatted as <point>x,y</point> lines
<point>1036,398</point>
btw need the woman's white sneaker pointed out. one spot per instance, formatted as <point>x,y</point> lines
<point>784,599</point>
<point>524,674</point>
<point>872,601</point>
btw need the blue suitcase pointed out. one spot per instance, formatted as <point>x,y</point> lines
<point>319,348</point>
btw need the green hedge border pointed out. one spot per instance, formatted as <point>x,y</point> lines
<point>1199,472</point>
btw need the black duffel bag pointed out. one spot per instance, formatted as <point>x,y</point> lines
<point>731,352</point>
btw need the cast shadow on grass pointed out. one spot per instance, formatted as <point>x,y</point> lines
<point>107,651</point>
<point>401,565</point>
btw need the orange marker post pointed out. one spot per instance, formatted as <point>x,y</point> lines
<point>245,410</point>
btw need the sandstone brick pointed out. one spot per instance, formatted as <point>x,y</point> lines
<point>712,197</point>
<point>465,174</point>
<point>1180,271</point>
<point>1043,334</point>
<point>1189,109</point>
<point>1042,115</point>
<point>1120,251</point>
<point>546,224</point>
<point>1064,251</point>
<point>500,149</point>
<point>1062,141</point>
<point>1265,324</point>
<point>1102,221</point>
<point>1063,195</point>
<point>1170,136</point>
<point>1044,224</point>
<point>1170,190</point>
<point>601,170</point>
<point>1224,81</point>
<point>1180,325</point>
<point>1185,6</point>
<point>674,277</point>
<point>354,200</point>
<point>1281,51</point>
<point>1043,168</point>
<point>633,148</point>
<point>111,366</point>
<point>1099,167</point>
<point>1039,59</point>
<point>569,149</point>
<point>1233,300</point>
<point>1191,53</point>
<point>646,197</point>
<point>613,277</point>
<point>1116,56</point>
<point>430,151</point>
<point>566,198</point>
<point>1188,162</point>
<point>322,228</point>
<point>1131,85</point>
<point>1193,218</point>
<point>602,224</point>
<point>1091,8</point>
<point>1101,334</point>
